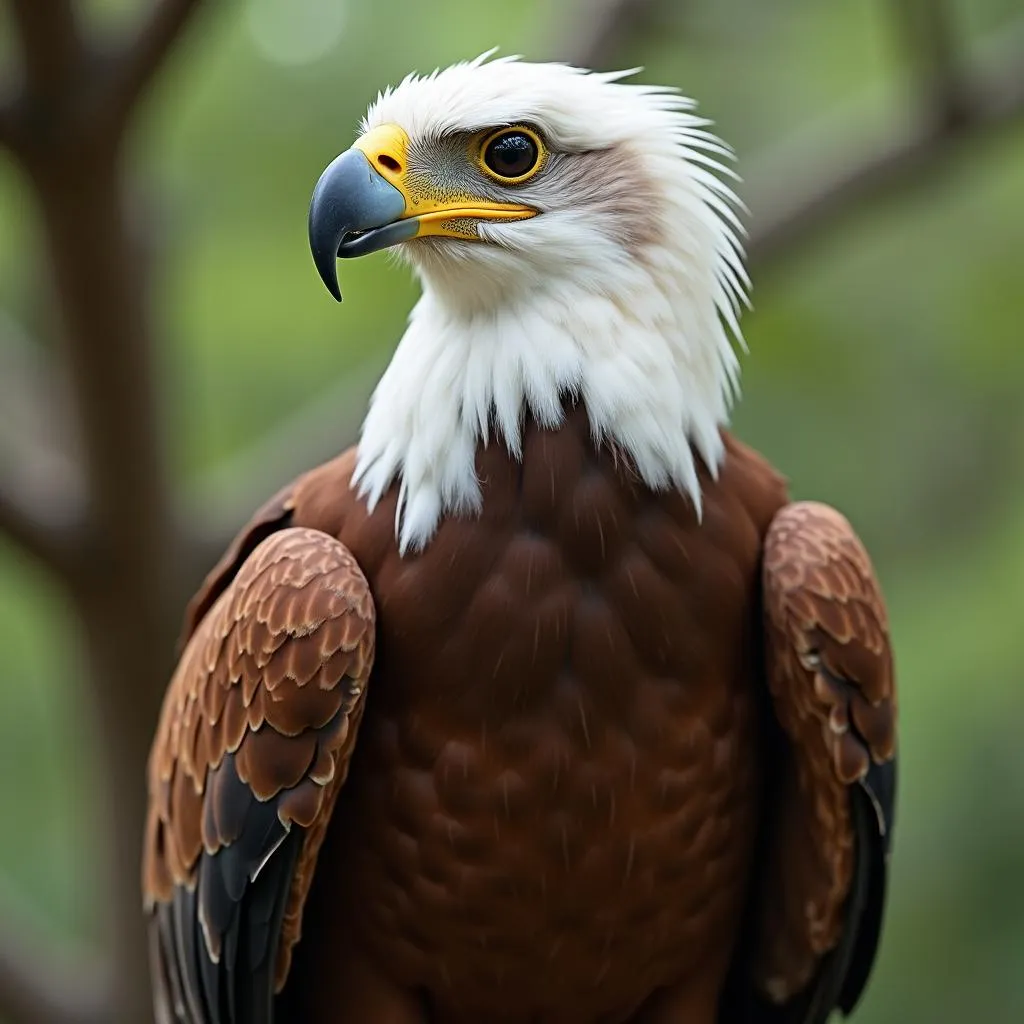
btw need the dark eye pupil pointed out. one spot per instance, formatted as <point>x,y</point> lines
<point>511,155</point>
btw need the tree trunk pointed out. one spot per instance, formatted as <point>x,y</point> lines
<point>127,584</point>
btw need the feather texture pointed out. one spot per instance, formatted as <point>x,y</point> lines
<point>257,729</point>
<point>830,673</point>
<point>630,755</point>
<point>625,291</point>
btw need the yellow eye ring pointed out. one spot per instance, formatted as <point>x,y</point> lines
<point>512,155</point>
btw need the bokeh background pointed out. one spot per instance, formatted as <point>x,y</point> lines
<point>883,156</point>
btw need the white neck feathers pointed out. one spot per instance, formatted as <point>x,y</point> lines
<point>651,362</point>
<point>624,293</point>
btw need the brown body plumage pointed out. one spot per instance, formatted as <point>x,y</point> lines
<point>568,794</point>
<point>544,706</point>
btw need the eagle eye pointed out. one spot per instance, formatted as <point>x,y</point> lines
<point>512,155</point>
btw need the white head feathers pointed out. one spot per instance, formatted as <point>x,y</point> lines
<point>624,290</point>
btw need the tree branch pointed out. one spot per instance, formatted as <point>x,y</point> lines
<point>929,37</point>
<point>42,507</point>
<point>140,58</point>
<point>42,504</point>
<point>225,498</point>
<point>600,29</point>
<point>994,101</point>
<point>51,45</point>
<point>36,990</point>
<point>25,521</point>
<point>39,982</point>
<point>8,123</point>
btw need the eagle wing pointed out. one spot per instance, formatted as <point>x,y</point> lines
<point>254,742</point>
<point>829,669</point>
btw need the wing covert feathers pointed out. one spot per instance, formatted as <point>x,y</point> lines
<point>253,744</point>
<point>273,515</point>
<point>829,668</point>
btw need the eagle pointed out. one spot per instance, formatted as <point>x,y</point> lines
<point>544,703</point>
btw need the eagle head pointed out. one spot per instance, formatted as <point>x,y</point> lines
<point>574,234</point>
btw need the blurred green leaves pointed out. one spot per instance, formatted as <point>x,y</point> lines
<point>885,377</point>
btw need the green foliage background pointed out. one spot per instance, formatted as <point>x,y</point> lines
<point>884,376</point>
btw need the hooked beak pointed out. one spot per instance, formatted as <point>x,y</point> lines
<point>368,199</point>
<point>353,211</point>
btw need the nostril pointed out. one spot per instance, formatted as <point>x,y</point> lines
<point>388,162</point>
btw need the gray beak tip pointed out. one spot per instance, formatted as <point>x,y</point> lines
<point>324,247</point>
<point>351,199</point>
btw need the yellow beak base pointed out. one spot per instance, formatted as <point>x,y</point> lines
<point>454,215</point>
